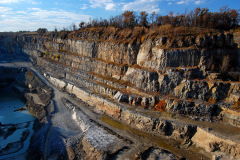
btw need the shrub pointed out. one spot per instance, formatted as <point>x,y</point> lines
<point>212,100</point>
<point>160,106</point>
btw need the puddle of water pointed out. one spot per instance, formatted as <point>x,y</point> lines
<point>8,104</point>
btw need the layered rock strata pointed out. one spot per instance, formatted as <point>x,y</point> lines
<point>120,80</point>
<point>186,80</point>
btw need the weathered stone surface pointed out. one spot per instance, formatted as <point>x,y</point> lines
<point>121,97</point>
<point>37,109</point>
<point>230,116</point>
<point>144,79</point>
<point>59,84</point>
<point>169,81</point>
<point>211,143</point>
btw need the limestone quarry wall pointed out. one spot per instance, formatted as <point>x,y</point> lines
<point>190,81</point>
<point>148,55</point>
<point>118,79</point>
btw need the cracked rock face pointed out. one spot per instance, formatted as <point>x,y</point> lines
<point>142,79</point>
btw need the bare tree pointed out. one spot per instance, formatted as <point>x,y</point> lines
<point>73,27</point>
<point>153,18</point>
<point>81,24</point>
<point>143,18</point>
<point>129,18</point>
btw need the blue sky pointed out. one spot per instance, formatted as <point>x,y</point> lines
<point>16,15</point>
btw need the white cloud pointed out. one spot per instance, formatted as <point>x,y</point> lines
<point>182,2</point>
<point>199,1</point>
<point>190,1</point>
<point>21,12</point>
<point>153,5</point>
<point>107,4</point>
<point>5,9</point>
<point>63,4</point>
<point>110,6</point>
<point>9,1</point>
<point>85,6</point>
<point>34,18</point>
<point>58,14</point>
<point>142,5</point>
<point>18,1</point>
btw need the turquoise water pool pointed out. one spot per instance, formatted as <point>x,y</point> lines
<point>19,120</point>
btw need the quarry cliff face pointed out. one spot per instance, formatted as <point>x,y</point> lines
<point>194,77</point>
<point>146,70</point>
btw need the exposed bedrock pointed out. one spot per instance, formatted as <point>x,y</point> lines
<point>181,73</point>
<point>110,68</point>
<point>193,77</point>
<point>141,87</point>
<point>150,54</point>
